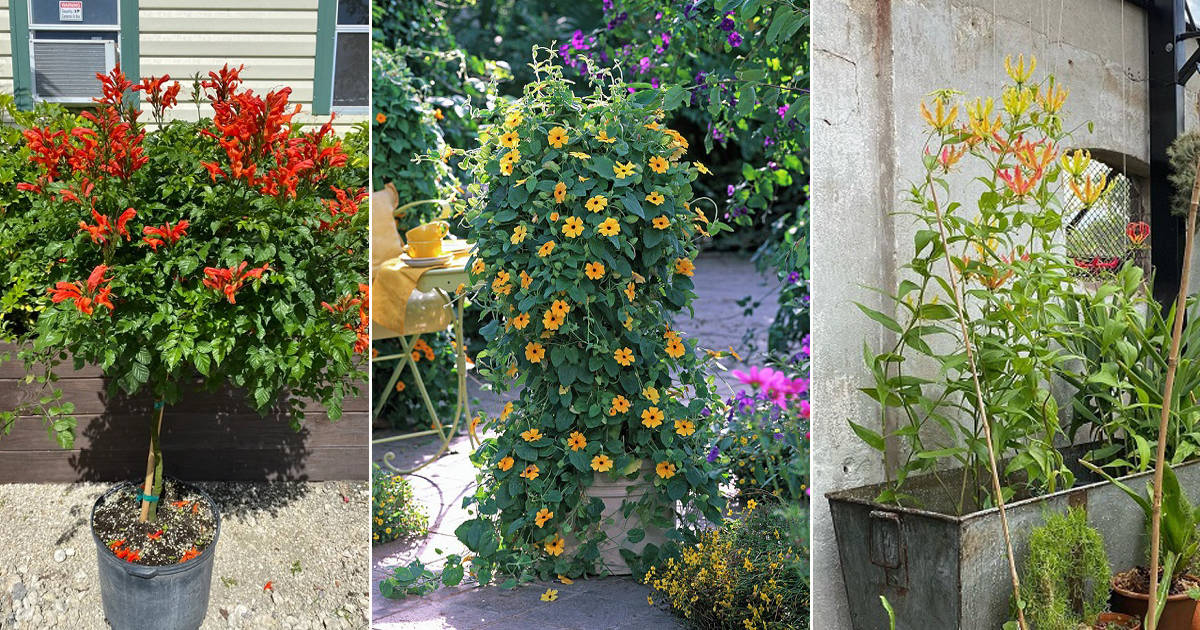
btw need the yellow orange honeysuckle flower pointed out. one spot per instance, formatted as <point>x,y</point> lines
<point>1017,181</point>
<point>1076,162</point>
<point>980,122</point>
<point>1017,100</point>
<point>1019,72</point>
<point>1051,97</point>
<point>940,119</point>
<point>1036,156</point>
<point>1091,190</point>
<point>950,156</point>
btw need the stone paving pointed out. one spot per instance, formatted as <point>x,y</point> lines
<point>601,603</point>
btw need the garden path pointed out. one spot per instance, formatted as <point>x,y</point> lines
<point>719,322</point>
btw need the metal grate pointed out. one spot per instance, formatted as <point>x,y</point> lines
<point>65,70</point>
<point>1101,237</point>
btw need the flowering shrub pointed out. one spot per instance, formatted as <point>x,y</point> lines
<point>585,243</point>
<point>228,249</point>
<point>752,572</point>
<point>765,443</point>
<point>398,514</point>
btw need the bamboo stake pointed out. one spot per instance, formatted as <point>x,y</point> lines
<point>152,486</point>
<point>983,417</point>
<point>1164,417</point>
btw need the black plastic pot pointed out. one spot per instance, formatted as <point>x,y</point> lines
<point>138,597</point>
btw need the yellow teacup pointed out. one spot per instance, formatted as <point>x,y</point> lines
<point>425,248</point>
<point>434,230</point>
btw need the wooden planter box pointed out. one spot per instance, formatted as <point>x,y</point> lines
<point>206,437</point>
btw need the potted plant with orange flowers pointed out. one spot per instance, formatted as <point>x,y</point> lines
<point>223,253</point>
<point>585,229</point>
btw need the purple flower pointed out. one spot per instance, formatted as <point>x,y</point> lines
<point>793,277</point>
<point>718,135</point>
<point>727,23</point>
<point>778,436</point>
<point>712,454</point>
<point>805,409</point>
<point>735,39</point>
<point>729,190</point>
<point>644,65</point>
<point>783,110</point>
<point>658,16</point>
<point>607,5</point>
<point>706,412</point>
<point>666,39</point>
<point>654,82</point>
<point>577,40</point>
<point>768,141</point>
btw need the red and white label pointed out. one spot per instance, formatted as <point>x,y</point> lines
<point>70,10</point>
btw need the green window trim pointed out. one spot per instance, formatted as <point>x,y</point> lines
<point>18,24</point>
<point>322,103</point>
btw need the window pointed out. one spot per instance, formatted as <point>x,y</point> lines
<point>1112,230</point>
<point>70,41</point>
<point>351,57</point>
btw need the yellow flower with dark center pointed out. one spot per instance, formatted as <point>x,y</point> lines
<point>609,227</point>
<point>651,394</point>
<point>438,115</point>
<point>656,198</point>
<point>555,548</point>
<point>685,267</point>
<point>531,435</point>
<point>552,320</point>
<point>530,472</point>
<point>605,138</point>
<point>381,118</point>
<point>508,409</point>
<point>557,137</point>
<point>400,386</point>
<point>506,167</point>
<point>751,504</point>
<point>518,235</point>
<point>572,227</point>
<point>621,171</point>
<point>666,470</point>
<point>576,441</point>
<point>602,463</point>
<point>597,203</point>
<point>651,126</point>
<point>526,280</point>
<point>513,156</point>
<point>506,464</point>
<point>509,140</point>
<point>560,308</point>
<point>560,192</point>
<point>543,515</point>
<point>520,322</point>
<point>512,370</point>
<point>658,165</point>
<point>534,352</point>
<point>675,348</point>
<point>628,323</point>
<point>661,222</point>
<point>545,249</point>
<point>513,119</point>
<point>580,154</point>
<point>652,417</point>
<point>685,427</point>
<point>624,356</point>
<point>554,217</point>
<point>550,594</point>
<point>478,266</point>
<point>620,404</point>
<point>594,270</point>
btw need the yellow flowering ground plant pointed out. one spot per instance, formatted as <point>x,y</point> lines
<point>587,328</point>
<point>398,514</point>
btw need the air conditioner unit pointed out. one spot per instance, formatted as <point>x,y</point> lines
<point>64,70</point>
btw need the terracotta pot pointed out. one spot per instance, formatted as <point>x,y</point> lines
<point>1178,614</point>
<point>1126,622</point>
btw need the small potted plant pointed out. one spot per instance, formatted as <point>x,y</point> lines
<point>586,235</point>
<point>1066,573</point>
<point>223,253</point>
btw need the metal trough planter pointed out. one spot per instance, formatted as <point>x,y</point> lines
<point>947,571</point>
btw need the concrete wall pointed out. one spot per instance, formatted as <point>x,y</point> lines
<point>873,62</point>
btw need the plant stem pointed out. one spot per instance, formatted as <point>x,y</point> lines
<point>153,483</point>
<point>1172,362</point>
<point>959,308</point>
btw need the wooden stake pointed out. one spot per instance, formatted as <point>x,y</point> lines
<point>153,482</point>
<point>1168,390</point>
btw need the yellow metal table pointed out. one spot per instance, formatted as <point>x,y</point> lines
<point>445,281</point>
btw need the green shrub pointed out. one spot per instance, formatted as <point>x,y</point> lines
<point>397,513</point>
<point>1066,579</point>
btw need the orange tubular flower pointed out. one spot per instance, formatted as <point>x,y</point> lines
<point>1017,181</point>
<point>940,119</point>
<point>161,100</point>
<point>228,281</point>
<point>166,235</point>
<point>87,297</point>
<point>950,156</point>
<point>1090,192</point>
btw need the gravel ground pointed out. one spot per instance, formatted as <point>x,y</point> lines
<point>307,539</point>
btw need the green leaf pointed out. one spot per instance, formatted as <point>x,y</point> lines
<point>873,439</point>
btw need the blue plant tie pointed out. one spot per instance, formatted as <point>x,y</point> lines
<point>147,497</point>
<point>158,404</point>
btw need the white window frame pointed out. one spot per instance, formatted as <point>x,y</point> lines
<point>338,30</point>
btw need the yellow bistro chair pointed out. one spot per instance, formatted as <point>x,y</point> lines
<point>431,308</point>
